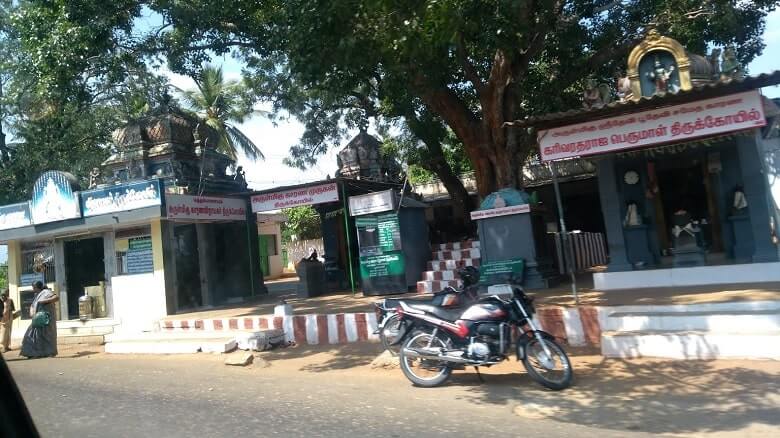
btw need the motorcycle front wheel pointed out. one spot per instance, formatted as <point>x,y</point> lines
<point>424,372</point>
<point>556,373</point>
<point>389,333</point>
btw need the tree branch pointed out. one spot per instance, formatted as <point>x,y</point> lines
<point>468,67</point>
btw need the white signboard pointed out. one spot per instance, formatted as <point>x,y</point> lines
<point>664,125</point>
<point>296,197</point>
<point>376,202</point>
<point>204,208</point>
<point>503,211</point>
<point>15,216</point>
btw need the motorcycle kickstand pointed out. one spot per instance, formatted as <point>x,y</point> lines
<point>481,380</point>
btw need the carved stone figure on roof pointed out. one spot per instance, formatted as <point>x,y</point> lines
<point>731,68</point>
<point>714,59</point>
<point>240,176</point>
<point>623,86</point>
<point>661,76</point>
<point>596,95</point>
<point>94,177</point>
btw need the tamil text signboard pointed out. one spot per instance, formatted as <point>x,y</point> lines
<point>15,216</point>
<point>140,258</point>
<point>376,202</point>
<point>670,124</point>
<point>312,195</point>
<point>204,208</point>
<point>121,197</point>
<point>502,211</point>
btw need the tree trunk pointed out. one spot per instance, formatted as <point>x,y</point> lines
<point>452,182</point>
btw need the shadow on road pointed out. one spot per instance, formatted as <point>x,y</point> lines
<point>326,358</point>
<point>657,396</point>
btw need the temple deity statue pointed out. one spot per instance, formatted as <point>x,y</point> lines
<point>661,76</point>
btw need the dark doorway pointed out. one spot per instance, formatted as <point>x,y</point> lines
<point>187,267</point>
<point>85,267</point>
<point>682,188</point>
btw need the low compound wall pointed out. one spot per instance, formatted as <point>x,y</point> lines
<point>576,327</point>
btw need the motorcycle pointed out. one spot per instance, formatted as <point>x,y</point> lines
<point>386,310</point>
<point>436,340</point>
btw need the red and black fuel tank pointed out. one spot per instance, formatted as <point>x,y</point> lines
<point>483,312</point>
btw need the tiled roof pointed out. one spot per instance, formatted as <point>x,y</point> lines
<point>699,92</point>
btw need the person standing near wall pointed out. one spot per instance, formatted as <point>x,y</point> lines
<point>6,321</point>
<point>40,339</point>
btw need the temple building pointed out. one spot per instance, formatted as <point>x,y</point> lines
<point>163,226</point>
<point>685,163</point>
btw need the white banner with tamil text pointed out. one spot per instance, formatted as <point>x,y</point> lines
<point>676,123</point>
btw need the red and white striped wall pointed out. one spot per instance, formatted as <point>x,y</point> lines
<point>576,327</point>
<point>337,328</point>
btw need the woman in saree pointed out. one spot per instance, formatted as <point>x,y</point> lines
<point>40,340</point>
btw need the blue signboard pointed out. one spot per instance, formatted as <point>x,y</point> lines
<point>53,198</point>
<point>15,216</point>
<point>121,197</point>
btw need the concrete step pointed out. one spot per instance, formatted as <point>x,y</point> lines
<point>81,339</point>
<point>731,321</point>
<point>428,286</point>
<point>691,344</point>
<point>86,328</point>
<point>172,346</point>
<point>456,245</point>
<point>439,275</point>
<point>449,265</point>
<point>457,254</point>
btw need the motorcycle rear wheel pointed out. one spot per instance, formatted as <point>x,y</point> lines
<point>555,379</point>
<point>389,333</point>
<point>413,367</point>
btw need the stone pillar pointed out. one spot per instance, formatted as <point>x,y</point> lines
<point>14,273</point>
<point>61,277</point>
<point>205,260</point>
<point>610,208</point>
<point>109,260</point>
<point>167,238</point>
<point>757,194</point>
<point>253,252</point>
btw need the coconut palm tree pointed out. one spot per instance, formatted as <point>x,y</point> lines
<point>222,104</point>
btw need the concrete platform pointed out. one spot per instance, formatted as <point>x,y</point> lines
<point>691,345</point>
<point>180,343</point>
<point>693,276</point>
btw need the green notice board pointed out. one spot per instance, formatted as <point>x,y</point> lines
<point>501,271</point>
<point>382,265</point>
<point>139,255</point>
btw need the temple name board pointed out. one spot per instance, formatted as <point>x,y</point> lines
<point>295,197</point>
<point>208,208</point>
<point>15,216</point>
<point>122,197</point>
<point>675,123</point>
<point>501,211</point>
<point>376,202</point>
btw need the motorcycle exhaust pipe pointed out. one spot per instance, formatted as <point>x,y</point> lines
<point>445,358</point>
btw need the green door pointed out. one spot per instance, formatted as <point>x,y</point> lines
<point>264,263</point>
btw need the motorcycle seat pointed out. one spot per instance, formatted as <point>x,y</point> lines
<point>439,312</point>
<point>392,303</point>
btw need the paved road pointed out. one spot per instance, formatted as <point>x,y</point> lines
<point>100,395</point>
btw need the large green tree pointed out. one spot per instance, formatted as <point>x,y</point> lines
<point>73,77</point>
<point>475,64</point>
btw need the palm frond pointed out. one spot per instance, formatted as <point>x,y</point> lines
<point>239,141</point>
